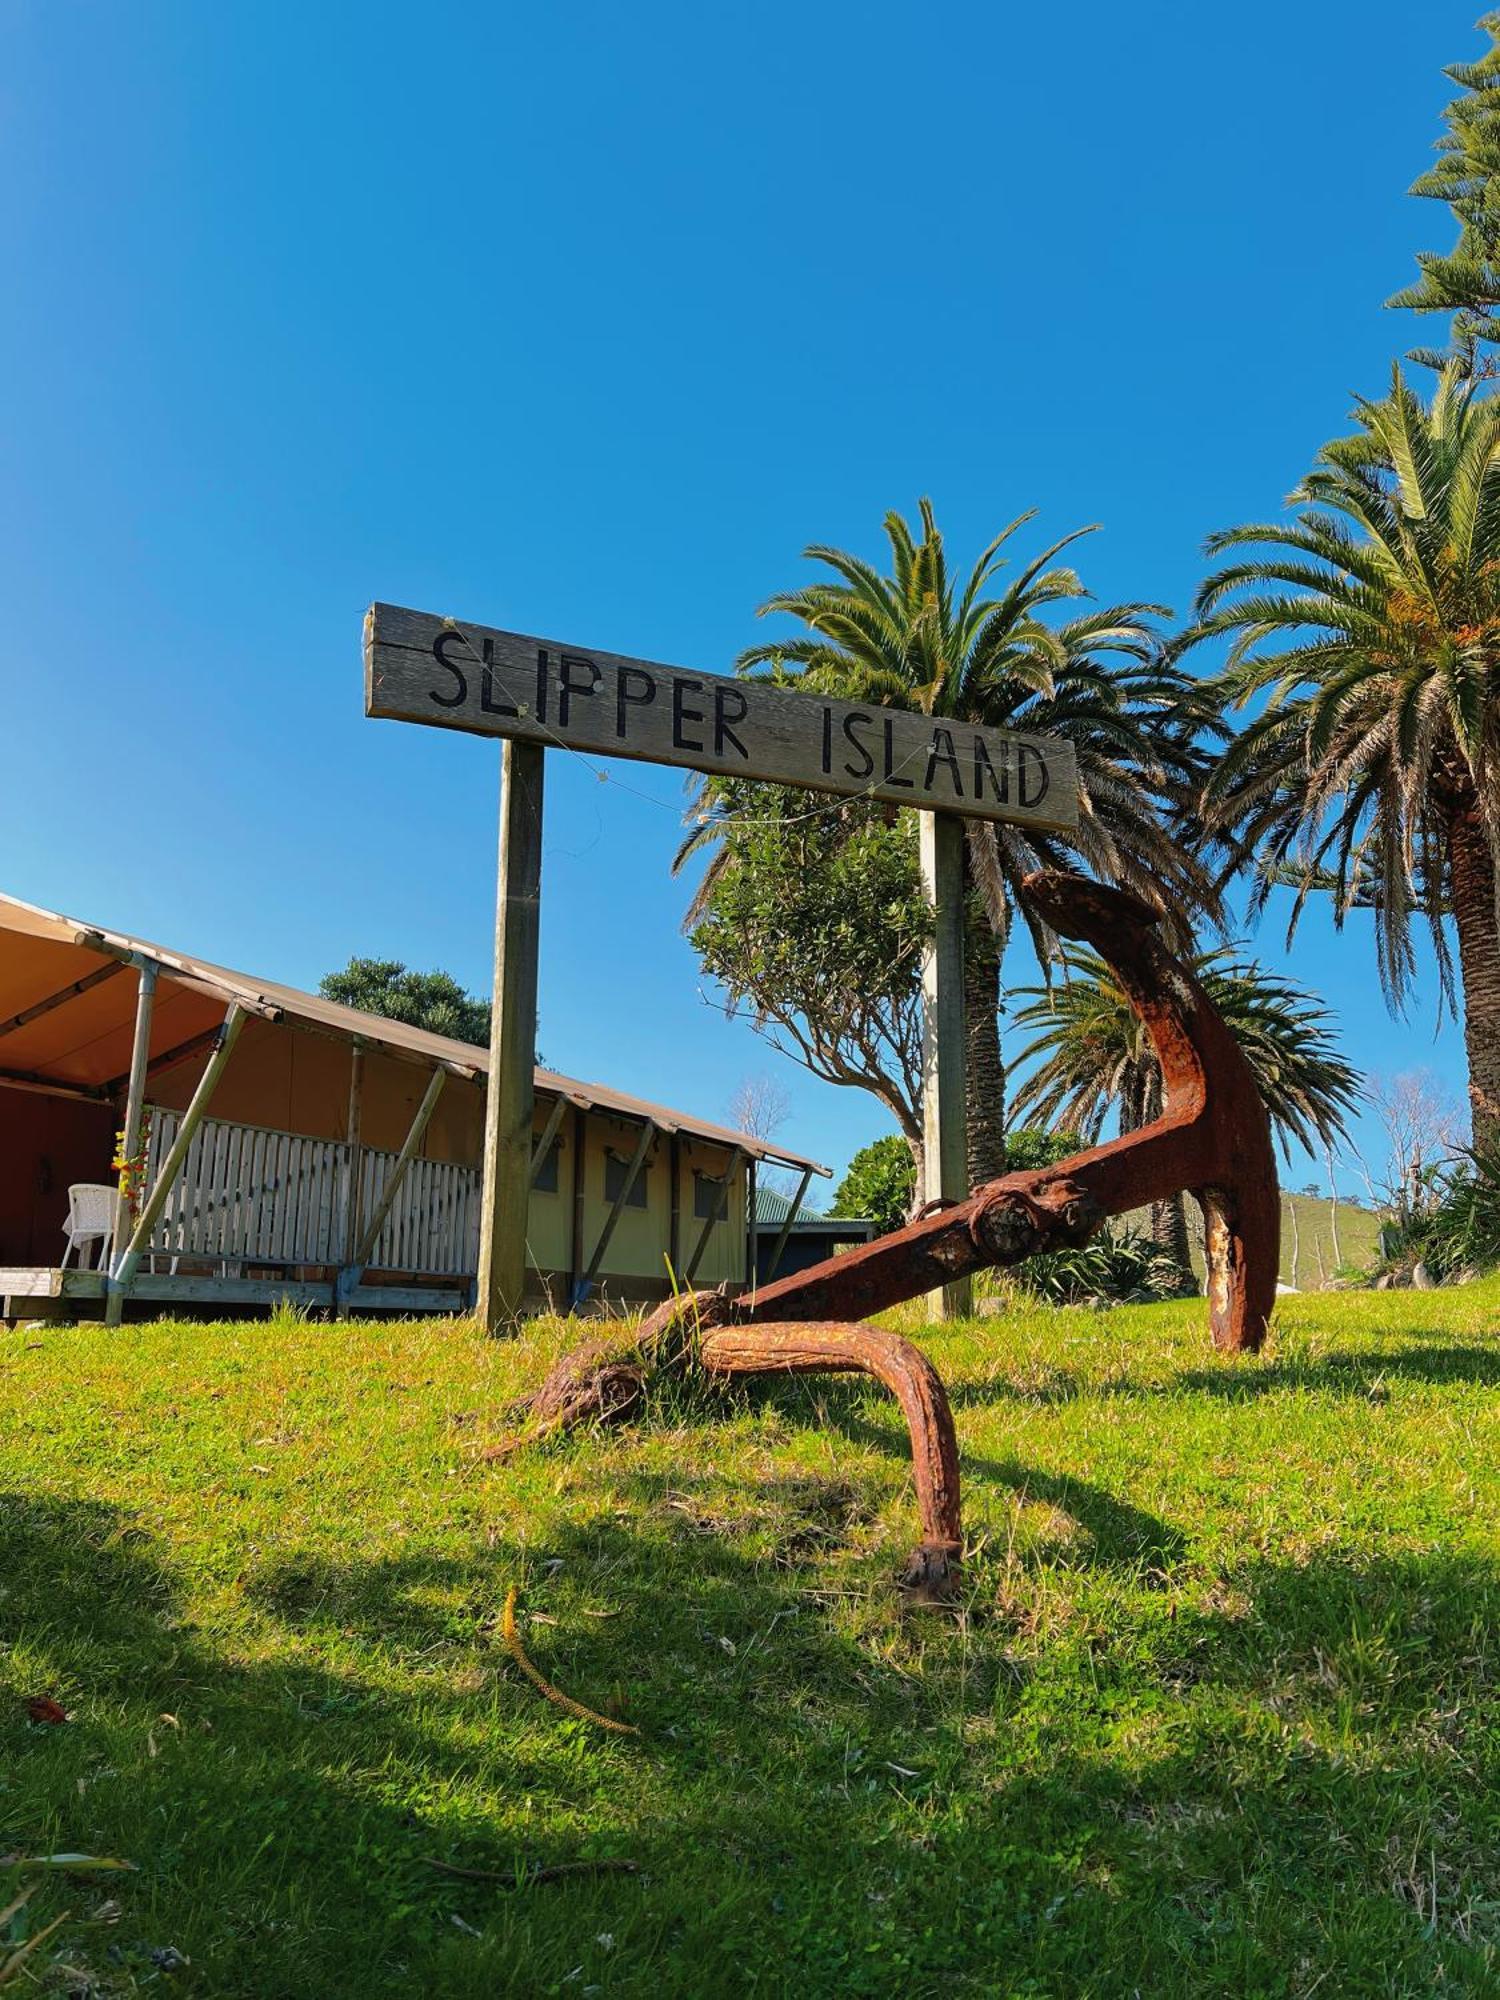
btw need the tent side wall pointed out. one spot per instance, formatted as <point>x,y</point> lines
<point>294,1080</point>
<point>635,1265</point>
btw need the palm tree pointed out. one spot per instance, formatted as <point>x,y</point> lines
<point>1094,1057</point>
<point>1373,620</point>
<point>1466,176</point>
<point>915,639</point>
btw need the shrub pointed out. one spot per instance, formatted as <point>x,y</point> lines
<point>1460,1231</point>
<point>880,1184</point>
<point>1117,1266</point>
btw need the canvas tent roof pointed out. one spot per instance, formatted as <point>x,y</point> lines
<point>66,1021</point>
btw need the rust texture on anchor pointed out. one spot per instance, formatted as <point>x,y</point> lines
<point>1213,1139</point>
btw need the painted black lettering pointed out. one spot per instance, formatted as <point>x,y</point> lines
<point>889,775</point>
<point>723,733</point>
<point>984,770</point>
<point>1032,766</point>
<point>567,687</point>
<point>440,647</point>
<point>827,741</point>
<point>866,765</point>
<point>682,714</point>
<point>541,683</point>
<point>642,697</point>
<point>943,752</point>
<point>487,699</point>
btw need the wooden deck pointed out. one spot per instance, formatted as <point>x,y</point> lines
<point>37,1292</point>
<point>256,1218</point>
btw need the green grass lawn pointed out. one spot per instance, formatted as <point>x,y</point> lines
<point>1219,1717</point>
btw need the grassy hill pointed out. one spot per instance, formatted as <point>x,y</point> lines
<point>1221,1713</point>
<point>1308,1258</point>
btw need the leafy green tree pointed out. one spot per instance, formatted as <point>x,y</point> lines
<point>881,1183</point>
<point>1094,1058</point>
<point>992,655</point>
<point>1466,282</point>
<point>882,1179</point>
<point>431,1000</point>
<point>814,923</point>
<point>1029,1148</point>
<point>1372,620</point>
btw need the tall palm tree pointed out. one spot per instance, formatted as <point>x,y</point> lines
<point>1373,621</point>
<point>1094,1057</point>
<point>1466,176</point>
<point>983,652</point>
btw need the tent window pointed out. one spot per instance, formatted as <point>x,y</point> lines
<point>707,1192</point>
<point>616,1167</point>
<point>546,1177</point>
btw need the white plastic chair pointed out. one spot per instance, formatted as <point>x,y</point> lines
<point>92,1214</point>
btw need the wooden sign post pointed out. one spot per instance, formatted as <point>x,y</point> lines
<point>537,692</point>
<point>945,1166</point>
<point>509,1097</point>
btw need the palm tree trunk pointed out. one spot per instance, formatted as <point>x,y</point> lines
<point>984,1072</point>
<point>1169,1223</point>
<point>1169,1231</point>
<point>1477,920</point>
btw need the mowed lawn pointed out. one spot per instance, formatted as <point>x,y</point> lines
<point>1219,1715</point>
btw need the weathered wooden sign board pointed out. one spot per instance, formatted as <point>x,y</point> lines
<point>419,668</point>
<point>537,693</point>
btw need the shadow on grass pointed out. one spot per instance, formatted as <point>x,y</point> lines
<point>1208,1803</point>
<point>1348,1371</point>
<point>1121,1536</point>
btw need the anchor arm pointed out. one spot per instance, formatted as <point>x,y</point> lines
<point>1213,1138</point>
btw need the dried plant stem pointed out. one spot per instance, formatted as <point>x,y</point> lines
<point>556,1696</point>
<point>17,1959</point>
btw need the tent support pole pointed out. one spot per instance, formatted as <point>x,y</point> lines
<point>720,1210</point>
<point>627,1189</point>
<point>354,1270</point>
<point>549,1132</point>
<point>786,1227</point>
<point>353,1135</point>
<point>127,1263</point>
<point>135,1086</point>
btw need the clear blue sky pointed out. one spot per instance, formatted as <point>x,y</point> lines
<point>586,319</point>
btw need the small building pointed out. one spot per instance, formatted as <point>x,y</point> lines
<point>789,1236</point>
<point>294,1149</point>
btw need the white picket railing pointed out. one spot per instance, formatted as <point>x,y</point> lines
<point>252,1195</point>
<point>433,1225</point>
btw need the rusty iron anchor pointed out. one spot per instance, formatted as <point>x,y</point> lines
<point>1213,1139</point>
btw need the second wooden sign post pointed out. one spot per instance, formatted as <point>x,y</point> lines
<point>536,692</point>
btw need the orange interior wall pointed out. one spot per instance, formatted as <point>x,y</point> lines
<point>46,1143</point>
<point>293,1081</point>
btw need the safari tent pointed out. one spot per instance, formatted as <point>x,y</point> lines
<point>292,1149</point>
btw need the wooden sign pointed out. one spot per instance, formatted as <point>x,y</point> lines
<point>420,668</point>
